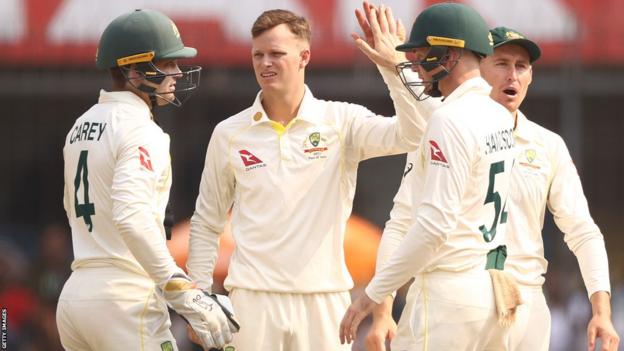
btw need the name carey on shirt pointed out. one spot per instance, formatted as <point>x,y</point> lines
<point>499,141</point>
<point>87,131</point>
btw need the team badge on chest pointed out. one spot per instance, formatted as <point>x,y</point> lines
<point>313,146</point>
<point>528,159</point>
<point>315,138</point>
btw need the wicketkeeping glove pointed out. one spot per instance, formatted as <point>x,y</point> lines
<point>204,313</point>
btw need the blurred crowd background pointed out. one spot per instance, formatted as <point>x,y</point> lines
<point>47,79</point>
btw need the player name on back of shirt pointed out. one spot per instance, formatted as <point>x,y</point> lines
<point>499,141</point>
<point>87,131</point>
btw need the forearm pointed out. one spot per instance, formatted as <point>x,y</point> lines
<point>411,257</point>
<point>203,253</point>
<point>594,265</point>
<point>412,115</point>
<point>146,241</point>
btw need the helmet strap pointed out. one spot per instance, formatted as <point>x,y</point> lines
<point>154,77</point>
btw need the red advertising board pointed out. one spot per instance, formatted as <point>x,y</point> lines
<point>65,32</point>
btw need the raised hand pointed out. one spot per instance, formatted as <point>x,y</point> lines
<point>382,34</point>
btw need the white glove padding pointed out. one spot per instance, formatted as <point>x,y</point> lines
<point>201,311</point>
<point>227,308</point>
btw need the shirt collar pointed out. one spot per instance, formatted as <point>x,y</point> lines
<point>476,84</point>
<point>308,110</point>
<point>124,96</point>
<point>523,129</point>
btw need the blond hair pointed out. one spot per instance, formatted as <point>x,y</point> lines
<point>298,25</point>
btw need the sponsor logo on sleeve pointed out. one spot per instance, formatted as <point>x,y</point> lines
<point>145,159</point>
<point>437,156</point>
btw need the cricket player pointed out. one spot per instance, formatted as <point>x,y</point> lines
<point>459,177</point>
<point>545,176</point>
<point>540,181</point>
<point>117,181</point>
<point>287,167</point>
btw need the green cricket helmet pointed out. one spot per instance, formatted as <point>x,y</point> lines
<point>136,41</point>
<point>441,27</point>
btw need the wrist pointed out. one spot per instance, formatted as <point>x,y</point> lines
<point>601,304</point>
<point>384,309</point>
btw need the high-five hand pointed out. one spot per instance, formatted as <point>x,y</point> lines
<point>382,34</point>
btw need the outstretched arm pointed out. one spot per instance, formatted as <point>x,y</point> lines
<point>381,34</point>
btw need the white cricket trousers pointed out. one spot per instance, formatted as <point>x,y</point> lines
<point>108,308</point>
<point>531,331</point>
<point>450,311</point>
<point>288,322</point>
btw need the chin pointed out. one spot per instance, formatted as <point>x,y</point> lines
<point>272,86</point>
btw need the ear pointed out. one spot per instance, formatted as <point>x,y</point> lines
<point>454,54</point>
<point>132,73</point>
<point>304,58</point>
<point>530,74</point>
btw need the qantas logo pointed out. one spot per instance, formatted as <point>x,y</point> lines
<point>248,158</point>
<point>146,160</point>
<point>436,152</point>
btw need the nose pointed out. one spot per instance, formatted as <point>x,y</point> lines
<point>177,72</point>
<point>512,75</point>
<point>266,61</point>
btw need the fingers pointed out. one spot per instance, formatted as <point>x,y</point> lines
<point>217,336</point>
<point>207,341</point>
<point>381,17</point>
<point>609,342</point>
<point>344,325</point>
<point>226,332</point>
<point>363,22</point>
<point>591,338</point>
<point>367,7</point>
<point>392,24</point>
<point>401,31</point>
<point>349,325</point>
<point>374,23</point>
<point>357,319</point>
<point>365,48</point>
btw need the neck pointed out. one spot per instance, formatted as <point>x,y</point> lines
<point>282,107</point>
<point>143,95</point>
<point>456,78</point>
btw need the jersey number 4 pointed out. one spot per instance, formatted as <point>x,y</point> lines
<point>87,209</point>
<point>493,196</point>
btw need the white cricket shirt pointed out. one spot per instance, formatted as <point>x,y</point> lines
<point>117,181</point>
<point>461,177</point>
<point>292,191</point>
<point>544,175</point>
